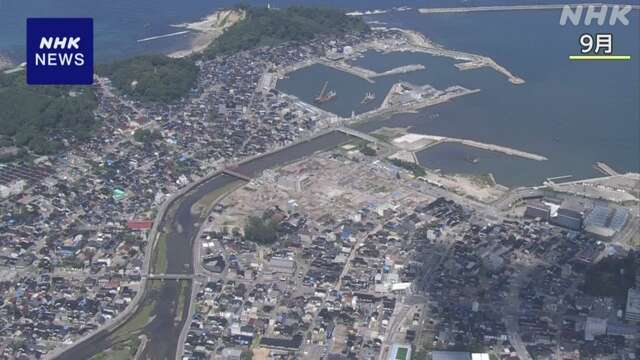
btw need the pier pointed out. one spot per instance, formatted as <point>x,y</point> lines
<point>363,73</point>
<point>556,178</point>
<point>400,70</point>
<point>605,169</point>
<point>367,74</point>
<point>164,36</point>
<point>417,142</point>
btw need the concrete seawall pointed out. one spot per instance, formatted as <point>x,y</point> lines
<point>419,43</point>
<point>417,142</point>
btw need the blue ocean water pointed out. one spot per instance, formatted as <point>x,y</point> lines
<point>573,113</point>
<point>119,23</point>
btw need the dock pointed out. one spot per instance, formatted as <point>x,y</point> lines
<point>362,73</point>
<point>400,70</point>
<point>417,142</point>
<point>605,169</point>
<point>366,74</point>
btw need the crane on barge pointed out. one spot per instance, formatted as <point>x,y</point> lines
<point>325,95</point>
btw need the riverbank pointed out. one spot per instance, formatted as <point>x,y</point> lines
<point>207,30</point>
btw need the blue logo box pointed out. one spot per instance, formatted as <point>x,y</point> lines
<point>59,51</point>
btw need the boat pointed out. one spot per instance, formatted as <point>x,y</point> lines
<point>368,97</point>
<point>325,95</point>
<point>471,159</point>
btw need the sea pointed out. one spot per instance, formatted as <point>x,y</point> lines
<point>574,113</point>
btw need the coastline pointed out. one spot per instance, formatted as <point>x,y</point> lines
<point>207,30</point>
<point>5,63</point>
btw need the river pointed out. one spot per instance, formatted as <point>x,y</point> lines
<point>160,303</point>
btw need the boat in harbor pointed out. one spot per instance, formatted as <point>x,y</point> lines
<point>471,159</point>
<point>368,97</point>
<point>325,95</point>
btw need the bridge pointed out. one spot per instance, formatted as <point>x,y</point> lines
<point>176,277</point>
<point>358,134</point>
<point>236,174</point>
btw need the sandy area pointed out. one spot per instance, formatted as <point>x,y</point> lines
<point>404,155</point>
<point>415,142</point>
<point>208,29</point>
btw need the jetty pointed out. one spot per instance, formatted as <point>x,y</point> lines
<point>363,73</point>
<point>419,43</point>
<point>417,142</point>
<point>164,36</point>
<point>605,169</point>
<point>400,70</point>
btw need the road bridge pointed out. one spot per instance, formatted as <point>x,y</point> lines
<point>358,134</point>
<point>163,276</point>
<point>236,174</point>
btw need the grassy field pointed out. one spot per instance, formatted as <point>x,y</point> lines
<point>122,351</point>
<point>135,324</point>
<point>401,354</point>
<point>159,263</point>
<point>183,292</point>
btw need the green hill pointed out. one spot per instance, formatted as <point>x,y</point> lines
<point>264,27</point>
<point>155,78</point>
<point>39,116</point>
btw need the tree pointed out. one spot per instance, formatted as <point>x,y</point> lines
<point>153,78</point>
<point>264,27</point>
<point>263,231</point>
<point>413,167</point>
<point>146,136</point>
<point>367,151</point>
<point>35,116</point>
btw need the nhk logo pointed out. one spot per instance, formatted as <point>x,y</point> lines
<point>62,59</point>
<point>594,12</point>
<point>59,51</point>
